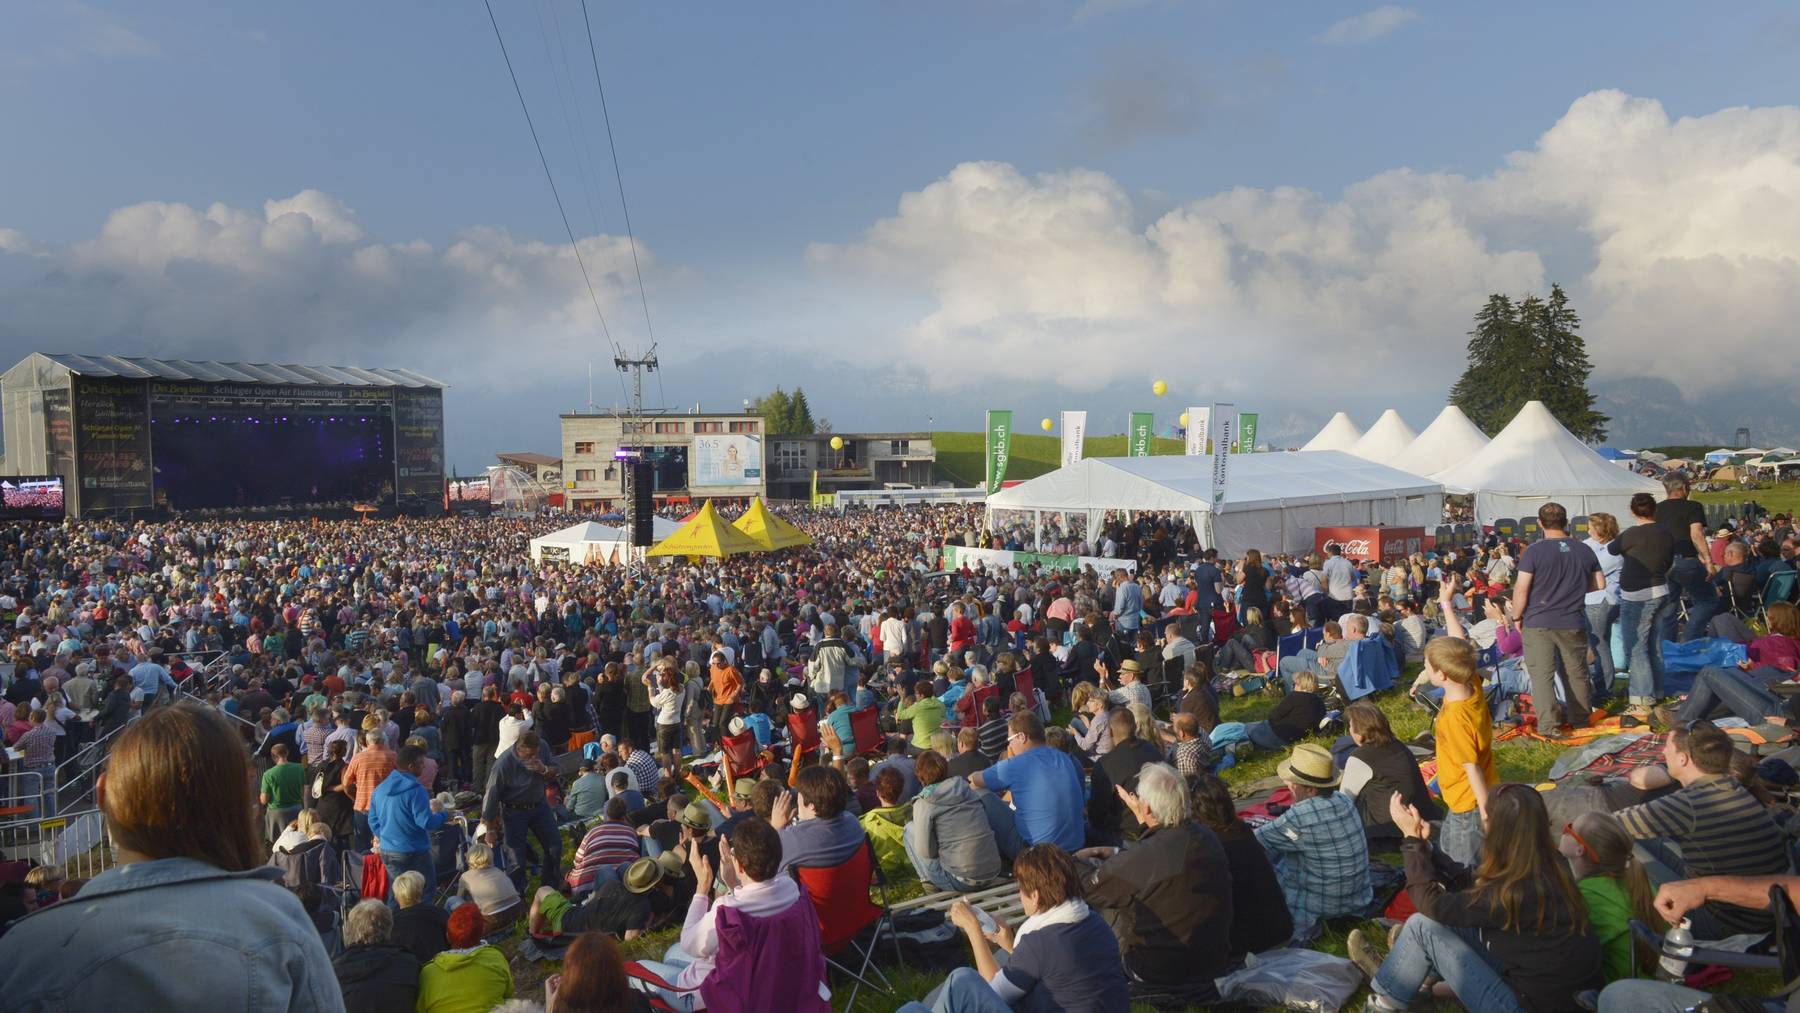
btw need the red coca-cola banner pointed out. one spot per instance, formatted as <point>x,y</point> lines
<point>1377,543</point>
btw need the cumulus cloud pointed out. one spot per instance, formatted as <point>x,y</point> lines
<point>1368,26</point>
<point>1688,226</point>
<point>300,281</point>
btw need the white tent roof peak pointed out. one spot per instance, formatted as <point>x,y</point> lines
<point>1339,434</point>
<point>1535,459</point>
<point>1448,441</point>
<point>1385,439</point>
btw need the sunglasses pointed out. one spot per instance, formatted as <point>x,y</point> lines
<point>1569,829</point>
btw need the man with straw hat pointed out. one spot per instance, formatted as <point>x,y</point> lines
<point>626,907</point>
<point>1317,845</point>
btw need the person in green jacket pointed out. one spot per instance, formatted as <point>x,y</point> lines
<point>926,712</point>
<point>886,824</point>
<point>469,977</point>
<point>1615,886</point>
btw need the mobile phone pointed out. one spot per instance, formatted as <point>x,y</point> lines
<point>988,925</point>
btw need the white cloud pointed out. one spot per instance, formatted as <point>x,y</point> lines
<point>1368,26</point>
<point>1689,227</point>
<point>299,281</point>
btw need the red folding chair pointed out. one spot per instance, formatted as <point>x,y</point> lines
<point>1026,683</point>
<point>646,982</point>
<point>741,757</point>
<point>803,731</point>
<point>841,895</point>
<point>977,698</point>
<point>865,729</point>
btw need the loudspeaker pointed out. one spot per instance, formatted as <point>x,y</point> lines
<point>642,505</point>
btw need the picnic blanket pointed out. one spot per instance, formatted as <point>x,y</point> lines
<point>1258,813</point>
<point>1618,753</point>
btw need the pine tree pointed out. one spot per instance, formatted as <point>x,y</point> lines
<point>801,412</point>
<point>777,410</point>
<point>1567,395</point>
<point>1488,384</point>
<point>1525,351</point>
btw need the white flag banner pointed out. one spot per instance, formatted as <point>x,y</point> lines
<point>1196,431</point>
<point>1224,434</point>
<point>1074,430</point>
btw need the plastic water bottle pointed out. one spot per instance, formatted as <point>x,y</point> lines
<point>1678,945</point>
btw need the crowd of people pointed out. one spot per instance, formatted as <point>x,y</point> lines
<point>587,755</point>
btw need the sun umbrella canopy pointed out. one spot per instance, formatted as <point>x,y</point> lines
<point>768,530</point>
<point>705,534</point>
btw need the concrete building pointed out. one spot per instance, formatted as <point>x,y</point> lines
<point>716,455</point>
<point>867,461</point>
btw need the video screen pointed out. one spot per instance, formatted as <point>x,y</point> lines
<point>33,498</point>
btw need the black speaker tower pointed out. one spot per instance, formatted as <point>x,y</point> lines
<point>642,505</point>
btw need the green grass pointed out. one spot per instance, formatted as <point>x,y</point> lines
<point>962,457</point>
<point>1777,497</point>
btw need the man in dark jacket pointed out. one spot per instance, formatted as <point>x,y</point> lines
<point>456,731</point>
<point>486,721</point>
<point>1108,818</point>
<point>375,975</point>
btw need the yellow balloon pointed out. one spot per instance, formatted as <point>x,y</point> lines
<point>1159,388</point>
<point>1047,425</point>
<point>837,443</point>
<point>1184,418</point>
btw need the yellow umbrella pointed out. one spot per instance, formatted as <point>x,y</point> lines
<point>705,534</point>
<point>768,530</point>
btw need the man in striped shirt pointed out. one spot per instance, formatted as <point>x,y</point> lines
<point>1720,828</point>
<point>606,850</point>
<point>314,736</point>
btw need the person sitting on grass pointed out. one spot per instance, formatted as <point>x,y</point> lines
<point>1193,749</point>
<point>488,888</point>
<point>1061,957</point>
<point>471,975</point>
<point>952,841</point>
<point>419,928</point>
<point>1616,888</point>
<point>1510,935</point>
<point>626,907</point>
<point>593,978</point>
<point>1294,716</point>
<point>1259,912</point>
<point>375,975</point>
<point>1380,768</point>
<point>1317,846</point>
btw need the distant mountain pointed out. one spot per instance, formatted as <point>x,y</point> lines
<point>1650,411</point>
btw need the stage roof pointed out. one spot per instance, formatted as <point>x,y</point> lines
<point>134,368</point>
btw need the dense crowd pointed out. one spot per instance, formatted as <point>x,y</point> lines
<point>413,714</point>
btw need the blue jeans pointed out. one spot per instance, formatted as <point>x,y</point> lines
<point>1688,576</point>
<point>1300,661</point>
<point>1646,624</point>
<point>1600,620</point>
<point>1262,736</point>
<point>1460,836</point>
<point>965,991</point>
<point>931,870</point>
<point>522,824</point>
<point>1639,995</point>
<point>666,969</point>
<point>1742,693</point>
<point>399,862</point>
<point>1456,955</point>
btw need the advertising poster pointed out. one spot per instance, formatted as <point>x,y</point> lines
<point>1074,432</point>
<point>731,459</point>
<point>999,447</point>
<point>1143,428</point>
<point>112,443</point>
<point>1224,434</point>
<point>1196,431</point>
<point>1246,434</point>
<point>419,444</point>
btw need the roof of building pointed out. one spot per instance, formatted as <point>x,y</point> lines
<point>530,457</point>
<point>137,368</point>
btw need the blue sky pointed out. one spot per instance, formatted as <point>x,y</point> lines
<point>760,144</point>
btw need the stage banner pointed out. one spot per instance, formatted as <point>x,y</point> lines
<point>418,445</point>
<point>1143,427</point>
<point>1196,431</point>
<point>999,447</point>
<point>1222,438</point>
<point>59,436</point>
<point>732,460</point>
<point>1074,431</point>
<point>1246,433</point>
<point>112,443</point>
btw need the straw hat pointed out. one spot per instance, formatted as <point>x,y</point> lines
<point>1310,765</point>
<point>643,875</point>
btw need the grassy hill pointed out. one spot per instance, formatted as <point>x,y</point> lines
<point>961,457</point>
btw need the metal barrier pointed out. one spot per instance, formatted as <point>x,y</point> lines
<point>76,842</point>
<point>21,795</point>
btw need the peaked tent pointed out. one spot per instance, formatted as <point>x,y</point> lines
<point>589,542</point>
<point>1534,459</point>
<point>1450,440</point>
<point>1339,434</point>
<point>1272,501</point>
<point>1385,439</point>
<point>768,530</point>
<point>705,534</point>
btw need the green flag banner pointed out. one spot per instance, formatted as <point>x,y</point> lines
<point>999,448</point>
<point>1246,433</point>
<point>1143,426</point>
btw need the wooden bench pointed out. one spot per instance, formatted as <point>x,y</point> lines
<point>1001,902</point>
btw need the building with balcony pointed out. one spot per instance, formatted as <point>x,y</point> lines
<point>717,455</point>
<point>867,461</point>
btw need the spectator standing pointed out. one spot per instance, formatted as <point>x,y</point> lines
<point>1691,571</point>
<point>402,816</point>
<point>1555,575</point>
<point>280,792</point>
<point>367,769</point>
<point>1647,555</point>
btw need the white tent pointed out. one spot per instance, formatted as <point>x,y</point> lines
<point>1385,439</point>
<point>593,542</point>
<point>1534,459</point>
<point>1450,440</point>
<point>1338,434</point>
<point>1272,501</point>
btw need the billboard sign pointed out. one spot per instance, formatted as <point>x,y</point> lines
<point>734,459</point>
<point>112,443</point>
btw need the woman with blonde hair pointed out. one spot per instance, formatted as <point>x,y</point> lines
<point>1087,725</point>
<point>1602,606</point>
<point>190,917</point>
<point>1615,886</point>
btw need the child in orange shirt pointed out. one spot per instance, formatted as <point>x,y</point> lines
<point>1464,732</point>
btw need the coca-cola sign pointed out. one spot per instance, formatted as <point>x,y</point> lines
<point>1355,548</point>
<point>1365,544</point>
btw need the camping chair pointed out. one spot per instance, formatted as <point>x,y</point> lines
<point>979,696</point>
<point>841,894</point>
<point>865,729</point>
<point>646,982</point>
<point>803,731</point>
<point>740,755</point>
<point>1779,588</point>
<point>1785,960</point>
<point>1369,667</point>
